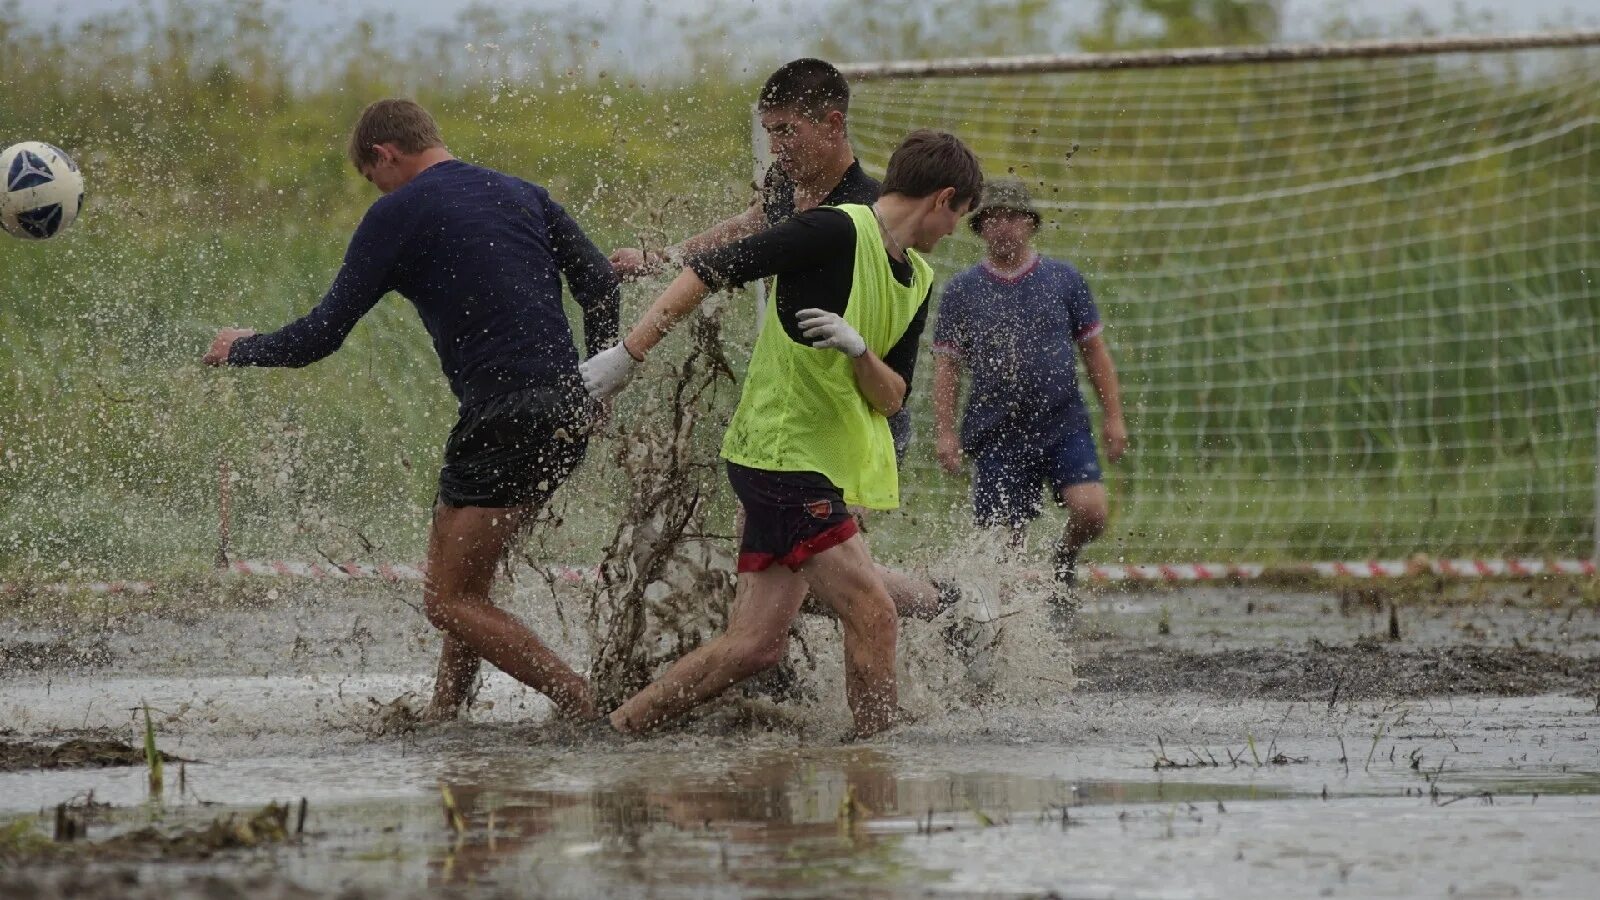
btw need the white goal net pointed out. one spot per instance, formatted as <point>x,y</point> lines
<point>1351,291</point>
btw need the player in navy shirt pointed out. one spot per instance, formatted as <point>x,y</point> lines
<point>1012,321</point>
<point>481,256</point>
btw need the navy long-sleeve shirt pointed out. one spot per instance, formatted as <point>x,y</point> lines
<point>480,255</point>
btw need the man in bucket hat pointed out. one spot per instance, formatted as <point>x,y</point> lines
<point>1012,321</point>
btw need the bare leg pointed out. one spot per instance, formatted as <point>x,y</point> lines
<point>1086,520</point>
<point>757,638</point>
<point>845,578</point>
<point>913,596</point>
<point>464,546</point>
<point>458,668</point>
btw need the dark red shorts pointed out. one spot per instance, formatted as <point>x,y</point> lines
<point>789,517</point>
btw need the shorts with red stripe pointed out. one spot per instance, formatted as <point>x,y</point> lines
<point>789,517</point>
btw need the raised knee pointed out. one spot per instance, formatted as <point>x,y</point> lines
<point>871,612</point>
<point>438,610</point>
<point>880,609</point>
<point>1087,520</point>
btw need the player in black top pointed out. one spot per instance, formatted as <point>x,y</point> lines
<point>481,256</point>
<point>803,108</point>
<point>817,248</point>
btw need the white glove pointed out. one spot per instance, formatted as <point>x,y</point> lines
<point>834,331</point>
<point>605,373</point>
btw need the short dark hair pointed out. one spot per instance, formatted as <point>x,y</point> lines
<point>927,162</point>
<point>403,123</point>
<point>811,87</point>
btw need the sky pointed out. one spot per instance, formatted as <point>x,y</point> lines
<point>1518,14</point>
<point>786,27</point>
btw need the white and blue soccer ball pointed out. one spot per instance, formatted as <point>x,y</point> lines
<point>43,190</point>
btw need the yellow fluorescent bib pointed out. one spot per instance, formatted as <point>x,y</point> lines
<point>801,411</point>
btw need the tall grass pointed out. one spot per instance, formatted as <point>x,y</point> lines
<point>219,195</point>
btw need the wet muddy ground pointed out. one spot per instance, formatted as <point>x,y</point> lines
<point>1217,742</point>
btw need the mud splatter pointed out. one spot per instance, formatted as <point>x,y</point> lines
<point>80,753</point>
<point>1363,670</point>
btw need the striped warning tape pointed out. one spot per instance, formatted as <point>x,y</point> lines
<point>84,587</point>
<point>385,572</point>
<point>1396,568</point>
<point>1175,572</point>
<point>1452,568</point>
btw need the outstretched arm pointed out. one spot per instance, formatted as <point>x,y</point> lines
<point>361,283</point>
<point>796,243</point>
<point>594,285</point>
<point>682,296</point>
<point>734,228</point>
<point>607,372</point>
<point>632,262</point>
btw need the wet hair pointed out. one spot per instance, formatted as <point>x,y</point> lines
<point>927,162</point>
<point>403,123</point>
<point>808,86</point>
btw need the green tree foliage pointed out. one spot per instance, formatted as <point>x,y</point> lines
<point>1141,24</point>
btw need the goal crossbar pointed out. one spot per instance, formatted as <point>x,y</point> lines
<point>1215,56</point>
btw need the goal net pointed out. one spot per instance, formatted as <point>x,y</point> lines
<point>1351,290</point>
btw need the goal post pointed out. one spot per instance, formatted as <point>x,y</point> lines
<point>1350,288</point>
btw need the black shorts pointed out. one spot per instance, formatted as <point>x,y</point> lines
<point>514,449</point>
<point>789,517</point>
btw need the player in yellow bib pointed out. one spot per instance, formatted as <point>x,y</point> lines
<point>810,434</point>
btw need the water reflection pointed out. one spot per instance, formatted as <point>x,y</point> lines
<point>767,822</point>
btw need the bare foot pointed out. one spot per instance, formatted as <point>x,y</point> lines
<point>621,725</point>
<point>435,713</point>
<point>590,730</point>
<point>577,709</point>
<point>860,733</point>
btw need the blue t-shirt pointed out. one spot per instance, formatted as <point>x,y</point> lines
<point>1016,336</point>
<point>480,255</point>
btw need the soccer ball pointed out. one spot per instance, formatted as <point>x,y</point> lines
<point>43,190</point>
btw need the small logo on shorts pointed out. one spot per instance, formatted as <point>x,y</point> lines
<point>819,509</point>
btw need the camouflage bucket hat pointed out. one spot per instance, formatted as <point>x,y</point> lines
<point>1005,193</point>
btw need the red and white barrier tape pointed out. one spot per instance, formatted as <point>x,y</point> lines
<point>1176,572</point>
<point>286,569</point>
<point>1448,568</point>
<point>83,587</point>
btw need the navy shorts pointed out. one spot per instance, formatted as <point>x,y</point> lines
<point>789,517</point>
<point>514,449</point>
<point>1006,479</point>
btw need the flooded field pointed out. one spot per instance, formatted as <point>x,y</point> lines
<point>1208,742</point>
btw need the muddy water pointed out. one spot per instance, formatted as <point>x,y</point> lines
<point>1151,789</point>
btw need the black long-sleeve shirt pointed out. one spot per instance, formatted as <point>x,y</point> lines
<point>480,255</point>
<point>814,253</point>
